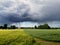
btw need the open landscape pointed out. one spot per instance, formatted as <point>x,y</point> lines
<point>29,36</point>
<point>29,22</point>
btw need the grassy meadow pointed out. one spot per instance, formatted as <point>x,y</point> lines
<point>29,36</point>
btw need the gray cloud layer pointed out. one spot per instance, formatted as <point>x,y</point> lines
<point>12,11</point>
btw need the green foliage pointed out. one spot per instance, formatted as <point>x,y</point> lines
<point>36,27</point>
<point>1,27</point>
<point>45,26</point>
<point>5,26</point>
<point>13,27</point>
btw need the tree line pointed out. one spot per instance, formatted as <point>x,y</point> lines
<point>5,26</point>
<point>44,26</point>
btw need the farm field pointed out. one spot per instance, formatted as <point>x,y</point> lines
<point>29,37</point>
<point>45,36</point>
<point>16,37</point>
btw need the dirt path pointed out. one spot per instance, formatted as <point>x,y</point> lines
<point>43,42</point>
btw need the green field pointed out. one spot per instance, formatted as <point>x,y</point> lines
<point>30,37</point>
<point>49,35</point>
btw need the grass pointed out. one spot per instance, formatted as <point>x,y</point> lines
<point>45,34</point>
<point>29,37</point>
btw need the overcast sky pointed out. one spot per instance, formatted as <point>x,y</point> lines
<point>30,12</point>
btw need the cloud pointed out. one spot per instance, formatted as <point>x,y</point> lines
<point>50,11</point>
<point>12,11</point>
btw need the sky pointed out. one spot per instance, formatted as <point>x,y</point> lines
<point>28,13</point>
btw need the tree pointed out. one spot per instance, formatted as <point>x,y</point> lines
<point>13,27</point>
<point>1,27</point>
<point>45,26</point>
<point>41,27</point>
<point>35,27</point>
<point>5,26</point>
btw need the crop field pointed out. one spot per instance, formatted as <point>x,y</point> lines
<point>29,36</point>
<point>50,36</point>
<point>16,37</point>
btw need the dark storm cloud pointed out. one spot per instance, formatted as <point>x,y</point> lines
<point>51,11</point>
<point>46,11</point>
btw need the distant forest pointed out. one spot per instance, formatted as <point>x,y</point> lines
<point>5,26</point>
<point>44,26</point>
